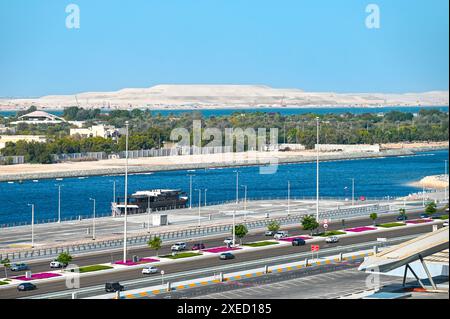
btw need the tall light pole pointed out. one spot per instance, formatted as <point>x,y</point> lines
<point>423,194</point>
<point>317,171</point>
<point>353,192</point>
<point>234,227</point>
<point>190,190</point>
<point>148,212</point>
<point>205,196</point>
<point>32,225</point>
<point>446,177</point>
<point>237,187</point>
<point>245,197</point>
<point>114,191</point>
<point>289,199</point>
<point>199,204</point>
<point>93,220</point>
<point>59,203</point>
<point>126,198</point>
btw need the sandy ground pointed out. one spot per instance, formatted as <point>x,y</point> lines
<point>186,161</point>
<point>433,182</point>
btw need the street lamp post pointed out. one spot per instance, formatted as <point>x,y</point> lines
<point>353,192</point>
<point>289,199</point>
<point>317,171</point>
<point>59,203</point>
<point>32,225</point>
<point>126,197</point>
<point>205,196</point>
<point>446,177</point>
<point>93,220</point>
<point>237,187</point>
<point>245,201</point>
<point>148,212</point>
<point>199,204</point>
<point>234,228</point>
<point>190,190</point>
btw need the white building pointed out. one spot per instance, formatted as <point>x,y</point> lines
<point>15,138</point>
<point>39,117</point>
<point>101,130</point>
<point>348,148</point>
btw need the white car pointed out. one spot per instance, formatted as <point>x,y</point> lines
<point>178,246</point>
<point>149,270</point>
<point>280,234</point>
<point>228,241</point>
<point>445,224</point>
<point>57,264</point>
<point>332,239</point>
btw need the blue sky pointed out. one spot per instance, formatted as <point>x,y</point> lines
<point>315,45</point>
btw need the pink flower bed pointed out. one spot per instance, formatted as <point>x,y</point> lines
<point>129,262</point>
<point>43,275</point>
<point>360,229</point>
<point>418,221</point>
<point>220,249</point>
<point>291,239</point>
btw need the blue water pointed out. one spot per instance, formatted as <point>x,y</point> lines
<point>283,111</point>
<point>373,178</point>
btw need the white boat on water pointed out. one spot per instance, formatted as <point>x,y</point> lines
<point>35,180</point>
<point>59,179</point>
<point>10,182</point>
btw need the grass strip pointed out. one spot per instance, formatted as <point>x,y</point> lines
<point>390,225</point>
<point>261,244</point>
<point>332,233</point>
<point>182,255</point>
<point>94,268</point>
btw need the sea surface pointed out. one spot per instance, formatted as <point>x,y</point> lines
<point>374,178</point>
<point>281,110</point>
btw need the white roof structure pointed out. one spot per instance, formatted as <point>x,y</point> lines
<point>38,117</point>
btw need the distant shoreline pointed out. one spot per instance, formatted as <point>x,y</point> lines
<point>143,165</point>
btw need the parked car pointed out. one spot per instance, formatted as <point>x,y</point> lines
<point>445,224</point>
<point>178,246</point>
<point>280,234</point>
<point>57,264</point>
<point>424,215</point>
<point>198,246</point>
<point>226,256</point>
<point>19,267</point>
<point>269,233</point>
<point>113,287</point>
<point>149,270</point>
<point>402,217</point>
<point>298,242</point>
<point>228,241</point>
<point>26,286</point>
<point>332,239</point>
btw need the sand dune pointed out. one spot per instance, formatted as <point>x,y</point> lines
<point>224,96</point>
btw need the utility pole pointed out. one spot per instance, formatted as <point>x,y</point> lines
<point>446,177</point>
<point>93,221</point>
<point>59,204</point>
<point>353,192</point>
<point>126,198</point>
<point>317,171</point>
<point>234,227</point>
<point>149,214</point>
<point>237,187</point>
<point>205,196</point>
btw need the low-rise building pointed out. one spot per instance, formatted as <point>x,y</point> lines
<point>15,138</point>
<point>101,130</point>
<point>348,148</point>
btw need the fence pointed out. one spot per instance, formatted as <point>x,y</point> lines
<point>79,156</point>
<point>12,160</point>
<point>182,234</point>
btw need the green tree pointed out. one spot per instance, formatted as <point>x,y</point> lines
<point>273,226</point>
<point>402,212</point>
<point>309,223</point>
<point>64,258</point>
<point>373,217</point>
<point>240,231</point>
<point>6,264</point>
<point>155,243</point>
<point>430,209</point>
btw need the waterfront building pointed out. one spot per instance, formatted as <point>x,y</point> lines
<point>39,117</point>
<point>100,130</point>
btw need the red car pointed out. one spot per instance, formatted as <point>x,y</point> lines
<point>198,246</point>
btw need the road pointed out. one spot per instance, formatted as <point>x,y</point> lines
<point>200,264</point>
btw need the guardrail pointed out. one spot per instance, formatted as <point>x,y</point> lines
<point>185,234</point>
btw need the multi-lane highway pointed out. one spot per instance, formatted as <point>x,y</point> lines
<point>210,263</point>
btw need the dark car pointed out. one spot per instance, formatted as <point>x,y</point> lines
<point>198,246</point>
<point>113,287</point>
<point>298,242</point>
<point>402,217</point>
<point>26,286</point>
<point>424,215</point>
<point>226,256</point>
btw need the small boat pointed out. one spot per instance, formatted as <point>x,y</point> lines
<point>10,182</point>
<point>59,179</point>
<point>35,181</point>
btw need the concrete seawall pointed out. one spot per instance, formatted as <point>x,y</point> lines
<point>173,166</point>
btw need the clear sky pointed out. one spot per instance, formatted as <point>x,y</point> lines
<point>315,45</point>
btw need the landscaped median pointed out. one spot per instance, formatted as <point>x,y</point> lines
<point>211,252</point>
